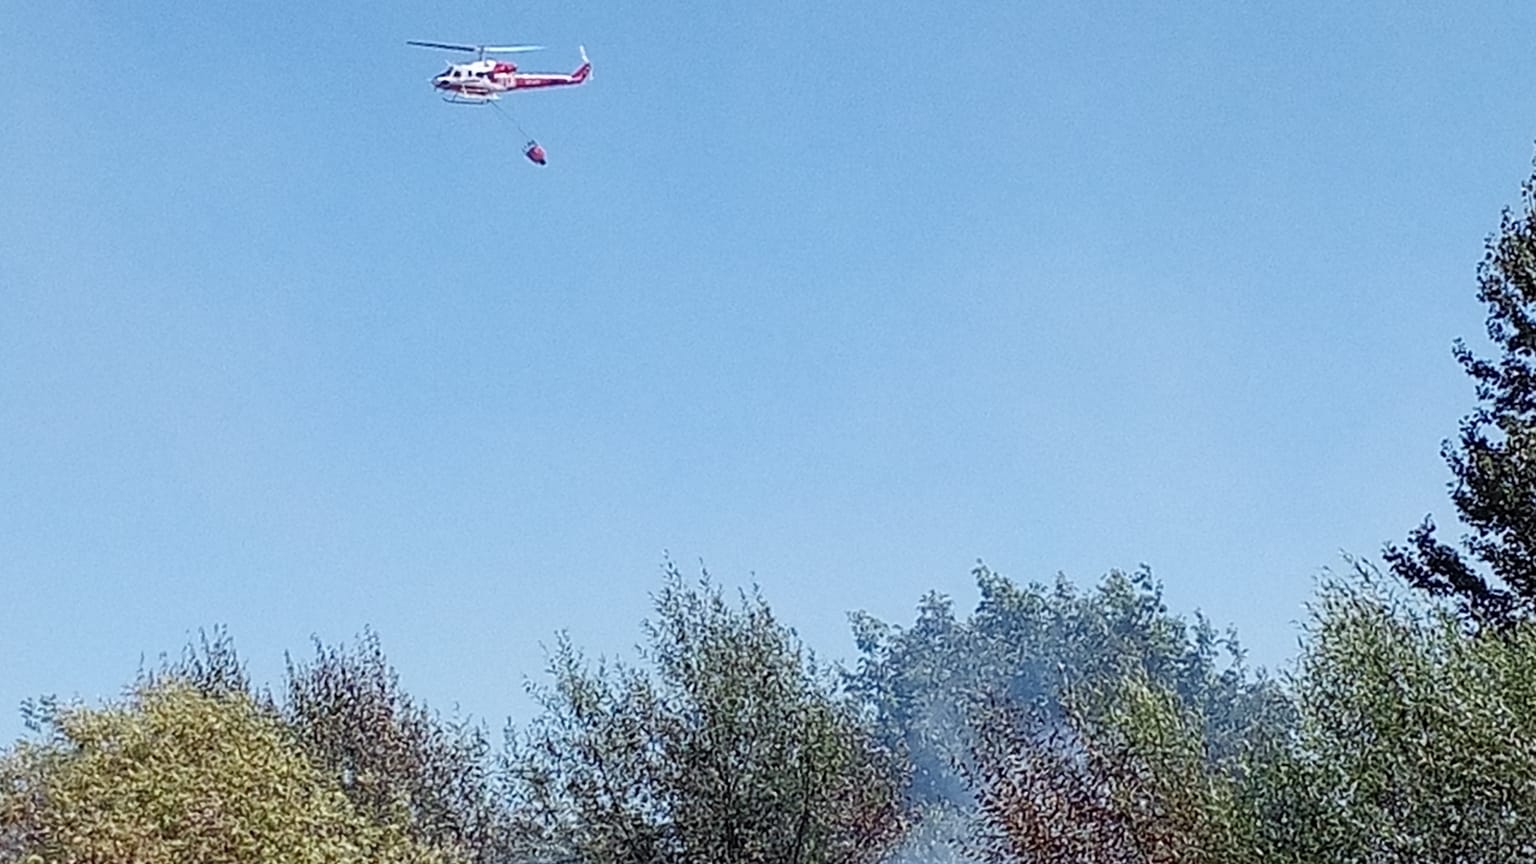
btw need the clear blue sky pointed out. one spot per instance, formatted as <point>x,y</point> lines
<point>845,295</point>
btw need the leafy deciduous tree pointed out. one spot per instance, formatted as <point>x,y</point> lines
<point>178,776</point>
<point>932,683</point>
<point>394,757</point>
<point>734,749</point>
<point>1127,777</point>
<point>1413,742</point>
<point>1416,741</point>
<point>396,760</point>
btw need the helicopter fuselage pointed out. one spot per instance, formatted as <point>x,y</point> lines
<point>486,80</point>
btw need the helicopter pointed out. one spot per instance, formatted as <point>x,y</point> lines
<point>483,81</point>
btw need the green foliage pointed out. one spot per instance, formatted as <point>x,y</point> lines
<point>734,749</point>
<point>1493,464</point>
<point>178,776</point>
<point>1098,730</point>
<point>1024,644</point>
<point>211,665</point>
<point>395,759</point>
<point>1414,740</point>
<point>1126,775</point>
<point>1024,649</point>
<point>1417,740</point>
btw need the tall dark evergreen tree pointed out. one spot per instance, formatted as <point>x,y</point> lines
<point>1493,578</point>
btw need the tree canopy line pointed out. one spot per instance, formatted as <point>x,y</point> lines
<point>1050,724</point>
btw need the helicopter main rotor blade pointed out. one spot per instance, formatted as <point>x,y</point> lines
<point>446,47</point>
<point>477,49</point>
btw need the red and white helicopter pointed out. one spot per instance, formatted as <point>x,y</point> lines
<point>485,80</point>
